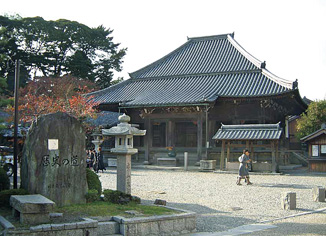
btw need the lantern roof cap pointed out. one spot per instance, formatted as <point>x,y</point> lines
<point>124,118</point>
<point>123,128</point>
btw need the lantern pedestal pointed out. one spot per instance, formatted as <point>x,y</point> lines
<point>124,173</point>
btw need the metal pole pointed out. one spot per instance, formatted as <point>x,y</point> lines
<point>186,161</point>
<point>17,65</point>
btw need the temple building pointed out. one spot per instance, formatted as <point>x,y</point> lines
<point>184,98</point>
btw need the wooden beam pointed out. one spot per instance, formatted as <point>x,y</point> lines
<point>199,137</point>
<point>277,154</point>
<point>170,133</point>
<point>228,151</point>
<point>147,139</point>
<point>222,155</point>
<point>274,164</point>
<point>251,148</point>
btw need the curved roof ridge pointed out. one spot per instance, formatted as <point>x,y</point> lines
<point>218,36</point>
<point>260,64</point>
<point>252,126</point>
<point>276,79</point>
<point>244,52</point>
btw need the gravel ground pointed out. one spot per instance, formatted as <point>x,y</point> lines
<point>218,201</point>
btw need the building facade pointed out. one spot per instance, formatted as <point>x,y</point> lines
<point>182,98</point>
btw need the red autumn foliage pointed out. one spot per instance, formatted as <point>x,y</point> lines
<point>49,95</point>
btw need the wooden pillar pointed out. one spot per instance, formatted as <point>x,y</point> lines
<point>222,155</point>
<point>273,157</point>
<point>252,150</point>
<point>211,131</point>
<point>228,151</point>
<point>170,133</point>
<point>147,139</point>
<point>277,154</point>
<point>199,137</point>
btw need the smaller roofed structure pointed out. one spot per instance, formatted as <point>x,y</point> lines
<point>249,132</point>
<point>316,149</point>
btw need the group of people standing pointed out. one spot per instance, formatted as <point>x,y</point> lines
<point>94,160</point>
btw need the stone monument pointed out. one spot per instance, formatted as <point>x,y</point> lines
<point>54,159</point>
<point>123,148</point>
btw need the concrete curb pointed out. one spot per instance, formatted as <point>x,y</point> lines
<point>292,216</point>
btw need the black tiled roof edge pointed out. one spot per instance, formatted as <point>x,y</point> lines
<point>249,132</point>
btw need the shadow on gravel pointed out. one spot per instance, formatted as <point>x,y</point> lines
<point>211,220</point>
<point>295,186</point>
<point>303,172</point>
<point>199,209</point>
<point>216,223</point>
<point>293,229</point>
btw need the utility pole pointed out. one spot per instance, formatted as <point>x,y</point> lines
<point>17,65</point>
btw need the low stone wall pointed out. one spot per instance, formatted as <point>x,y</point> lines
<point>158,225</point>
<point>82,228</point>
<point>175,224</point>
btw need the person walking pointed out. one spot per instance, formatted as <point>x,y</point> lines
<point>244,159</point>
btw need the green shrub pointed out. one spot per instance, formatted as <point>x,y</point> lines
<point>117,197</point>
<point>93,181</point>
<point>5,195</point>
<point>4,180</point>
<point>136,199</point>
<point>92,196</point>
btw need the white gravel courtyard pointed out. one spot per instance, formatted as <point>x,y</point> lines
<point>218,201</point>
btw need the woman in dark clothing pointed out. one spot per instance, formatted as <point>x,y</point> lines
<point>95,161</point>
<point>100,161</point>
<point>244,159</point>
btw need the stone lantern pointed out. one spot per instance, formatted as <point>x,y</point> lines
<point>97,139</point>
<point>123,148</point>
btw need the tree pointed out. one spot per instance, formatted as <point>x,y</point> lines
<point>47,95</point>
<point>312,119</point>
<point>57,48</point>
<point>4,93</point>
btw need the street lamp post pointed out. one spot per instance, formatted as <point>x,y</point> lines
<point>16,121</point>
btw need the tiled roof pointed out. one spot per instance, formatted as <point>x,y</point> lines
<point>200,56</point>
<point>249,132</point>
<point>105,119</point>
<point>202,69</point>
<point>189,89</point>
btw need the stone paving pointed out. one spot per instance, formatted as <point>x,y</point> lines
<point>219,203</point>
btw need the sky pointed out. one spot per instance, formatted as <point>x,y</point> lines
<point>290,35</point>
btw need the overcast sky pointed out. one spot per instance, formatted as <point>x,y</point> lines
<point>289,35</point>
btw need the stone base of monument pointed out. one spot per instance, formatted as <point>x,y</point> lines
<point>207,164</point>
<point>289,201</point>
<point>31,209</point>
<point>318,194</point>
